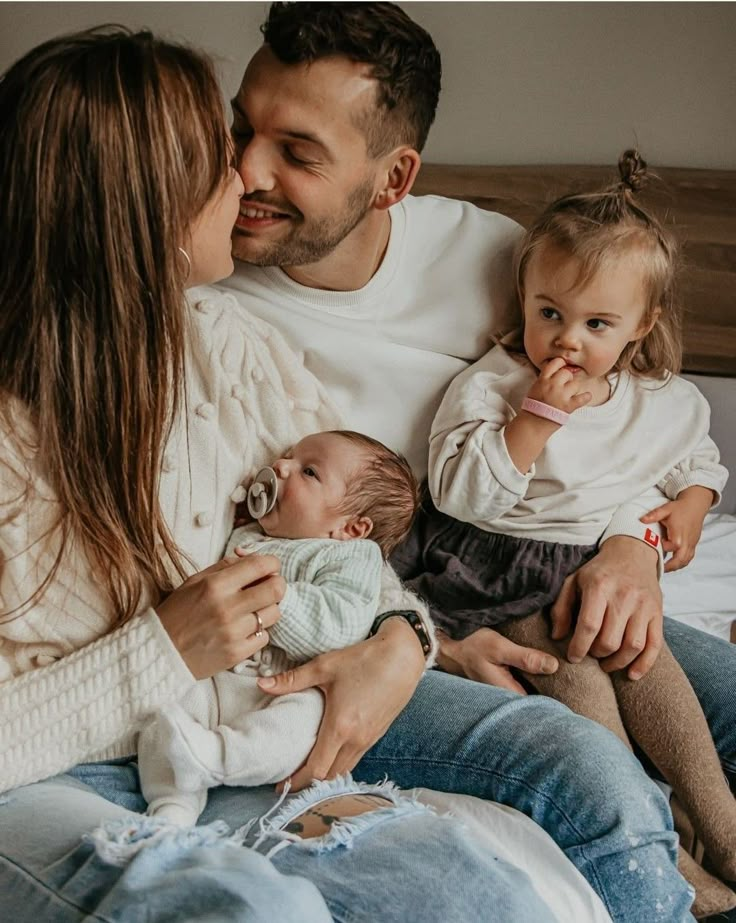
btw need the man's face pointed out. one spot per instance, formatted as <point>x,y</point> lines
<point>309,180</point>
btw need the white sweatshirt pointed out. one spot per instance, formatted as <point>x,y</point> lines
<point>646,434</point>
<point>386,353</point>
<point>71,689</point>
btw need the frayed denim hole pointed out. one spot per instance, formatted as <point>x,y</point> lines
<point>274,836</point>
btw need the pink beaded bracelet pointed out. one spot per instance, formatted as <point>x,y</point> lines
<point>545,410</point>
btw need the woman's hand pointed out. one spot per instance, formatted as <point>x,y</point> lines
<point>487,657</point>
<point>365,687</point>
<point>211,617</point>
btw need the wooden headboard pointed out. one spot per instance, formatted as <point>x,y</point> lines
<point>699,206</point>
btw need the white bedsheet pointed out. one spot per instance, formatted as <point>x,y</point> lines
<point>704,593</point>
<point>517,839</point>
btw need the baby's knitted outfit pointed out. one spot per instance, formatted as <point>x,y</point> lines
<point>225,731</point>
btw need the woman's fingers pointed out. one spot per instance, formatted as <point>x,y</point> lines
<point>240,572</point>
<point>210,617</point>
<point>258,597</point>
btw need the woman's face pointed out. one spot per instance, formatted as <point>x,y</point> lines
<point>210,243</point>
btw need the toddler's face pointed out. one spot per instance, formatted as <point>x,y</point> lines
<point>313,478</point>
<point>587,325</point>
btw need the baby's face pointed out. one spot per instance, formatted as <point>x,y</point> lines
<point>313,478</point>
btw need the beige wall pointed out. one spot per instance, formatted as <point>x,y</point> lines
<point>524,82</point>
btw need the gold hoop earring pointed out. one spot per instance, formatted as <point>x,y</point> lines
<point>189,262</point>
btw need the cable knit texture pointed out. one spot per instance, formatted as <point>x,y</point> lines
<point>72,689</point>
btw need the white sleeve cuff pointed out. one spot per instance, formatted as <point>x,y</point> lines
<point>625,522</point>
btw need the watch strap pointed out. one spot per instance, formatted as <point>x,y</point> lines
<point>410,616</point>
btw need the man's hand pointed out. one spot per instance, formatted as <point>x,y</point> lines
<point>365,687</point>
<point>682,520</point>
<point>487,657</point>
<point>619,608</point>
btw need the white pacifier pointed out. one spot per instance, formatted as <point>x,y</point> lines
<point>262,493</point>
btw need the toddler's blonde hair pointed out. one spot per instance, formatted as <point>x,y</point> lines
<point>597,227</point>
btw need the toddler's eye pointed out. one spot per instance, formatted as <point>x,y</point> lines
<point>310,472</point>
<point>595,323</point>
<point>549,313</point>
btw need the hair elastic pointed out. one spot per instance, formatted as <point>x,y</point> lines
<point>540,409</point>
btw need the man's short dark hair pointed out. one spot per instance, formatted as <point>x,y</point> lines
<point>401,55</point>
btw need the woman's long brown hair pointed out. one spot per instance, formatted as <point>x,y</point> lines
<point>112,142</point>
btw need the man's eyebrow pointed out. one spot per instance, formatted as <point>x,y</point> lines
<point>306,136</point>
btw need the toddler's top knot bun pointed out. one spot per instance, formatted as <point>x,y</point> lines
<point>633,170</point>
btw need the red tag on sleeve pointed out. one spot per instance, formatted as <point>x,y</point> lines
<point>651,538</point>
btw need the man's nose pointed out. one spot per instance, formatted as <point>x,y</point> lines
<point>255,168</point>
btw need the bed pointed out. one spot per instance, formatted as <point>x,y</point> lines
<point>699,206</point>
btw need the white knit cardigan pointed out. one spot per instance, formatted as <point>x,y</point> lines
<point>71,689</point>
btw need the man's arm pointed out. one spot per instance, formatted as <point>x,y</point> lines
<point>365,687</point>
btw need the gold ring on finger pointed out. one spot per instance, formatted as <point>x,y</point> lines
<point>259,625</point>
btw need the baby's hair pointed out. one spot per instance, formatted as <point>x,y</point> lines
<point>594,228</point>
<point>385,489</point>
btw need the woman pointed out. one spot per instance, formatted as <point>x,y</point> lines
<point>128,420</point>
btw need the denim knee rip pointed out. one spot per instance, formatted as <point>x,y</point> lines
<point>117,842</point>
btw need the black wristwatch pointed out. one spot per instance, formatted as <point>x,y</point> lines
<point>412,618</point>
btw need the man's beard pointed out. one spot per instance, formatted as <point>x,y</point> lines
<point>310,241</point>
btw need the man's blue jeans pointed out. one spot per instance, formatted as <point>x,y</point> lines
<point>574,778</point>
<point>49,873</point>
<point>571,776</point>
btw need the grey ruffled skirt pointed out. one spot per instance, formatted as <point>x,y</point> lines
<point>474,579</point>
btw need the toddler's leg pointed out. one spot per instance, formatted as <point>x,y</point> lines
<point>711,895</point>
<point>663,715</point>
<point>583,687</point>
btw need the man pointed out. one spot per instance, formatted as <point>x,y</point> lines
<point>389,297</point>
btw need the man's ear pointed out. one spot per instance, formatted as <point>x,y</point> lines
<point>401,168</point>
<point>354,528</point>
<point>646,328</point>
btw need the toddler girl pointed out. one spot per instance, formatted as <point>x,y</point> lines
<point>535,448</point>
<point>343,501</point>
